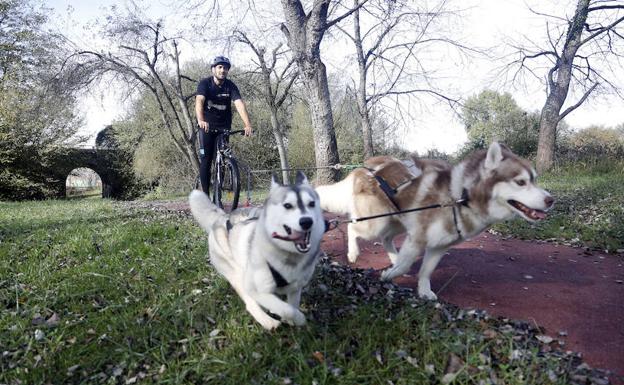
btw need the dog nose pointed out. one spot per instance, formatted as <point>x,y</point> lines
<point>306,223</point>
<point>549,201</point>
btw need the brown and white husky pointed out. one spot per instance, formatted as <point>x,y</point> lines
<point>489,186</point>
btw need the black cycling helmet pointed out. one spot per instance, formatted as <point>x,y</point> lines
<point>221,60</point>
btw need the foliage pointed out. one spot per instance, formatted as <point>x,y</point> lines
<point>300,152</point>
<point>37,101</point>
<point>348,128</point>
<point>155,159</point>
<point>96,291</point>
<point>258,152</point>
<point>592,144</point>
<point>121,163</point>
<point>588,208</point>
<point>491,116</point>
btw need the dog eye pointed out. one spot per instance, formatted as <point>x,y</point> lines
<point>521,182</point>
<point>288,206</point>
<point>312,204</point>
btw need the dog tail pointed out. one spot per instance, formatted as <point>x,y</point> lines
<point>204,211</point>
<point>337,197</point>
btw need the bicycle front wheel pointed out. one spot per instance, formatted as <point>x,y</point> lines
<point>227,184</point>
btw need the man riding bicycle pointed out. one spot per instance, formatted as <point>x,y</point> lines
<point>213,109</point>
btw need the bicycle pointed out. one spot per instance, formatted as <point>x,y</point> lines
<point>225,178</point>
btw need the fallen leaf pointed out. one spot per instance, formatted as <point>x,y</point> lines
<point>53,321</point>
<point>448,378</point>
<point>39,335</point>
<point>454,365</point>
<point>378,357</point>
<point>318,356</point>
<point>544,339</point>
<point>490,334</point>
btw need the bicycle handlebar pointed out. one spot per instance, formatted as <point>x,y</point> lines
<point>228,132</point>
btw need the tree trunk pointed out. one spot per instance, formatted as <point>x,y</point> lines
<point>548,133</point>
<point>304,34</point>
<point>279,141</point>
<point>558,89</point>
<point>365,124</point>
<point>325,146</point>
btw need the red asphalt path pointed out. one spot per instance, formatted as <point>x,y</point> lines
<point>575,295</point>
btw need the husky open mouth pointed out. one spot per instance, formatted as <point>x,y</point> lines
<point>301,239</point>
<point>530,213</point>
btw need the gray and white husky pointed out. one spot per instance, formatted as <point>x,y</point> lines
<point>267,251</point>
<point>494,185</point>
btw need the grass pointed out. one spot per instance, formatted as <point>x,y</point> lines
<point>94,291</point>
<point>588,209</point>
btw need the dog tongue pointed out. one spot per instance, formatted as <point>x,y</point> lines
<point>537,214</point>
<point>294,236</point>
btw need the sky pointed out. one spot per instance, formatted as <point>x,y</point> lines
<point>485,23</point>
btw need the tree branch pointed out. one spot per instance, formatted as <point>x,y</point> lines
<point>575,106</point>
<point>347,14</point>
<point>601,30</point>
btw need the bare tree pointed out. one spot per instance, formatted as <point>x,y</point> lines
<point>145,59</point>
<point>387,40</point>
<point>578,53</point>
<point>275,88</point>
<point>304,32</point>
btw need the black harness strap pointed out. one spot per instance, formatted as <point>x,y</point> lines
<point>464,202</point>
<point>280,281</point>
<point>389,191</point>
<point>455,221</point>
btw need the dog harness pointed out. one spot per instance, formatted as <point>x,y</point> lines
<point>391,192</point>
<point>387,189</point>
<point>280,281</point>
<point>463,201</point>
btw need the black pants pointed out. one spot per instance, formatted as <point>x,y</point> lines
<point>207,148</point>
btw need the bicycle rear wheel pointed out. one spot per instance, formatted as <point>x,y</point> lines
<point>226,187</point>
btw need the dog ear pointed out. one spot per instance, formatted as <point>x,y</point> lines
<point>274,181</point>
<point>494,156</point>
<point>301,178</point>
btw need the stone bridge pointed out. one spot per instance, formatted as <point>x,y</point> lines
<point>105,162</point>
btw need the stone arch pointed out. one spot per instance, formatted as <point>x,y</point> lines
<point>99,160</point>
<point>81,180</point>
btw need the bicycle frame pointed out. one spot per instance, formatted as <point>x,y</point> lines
<point>225,165</point>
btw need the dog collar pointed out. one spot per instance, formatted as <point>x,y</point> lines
<point>280,281</point>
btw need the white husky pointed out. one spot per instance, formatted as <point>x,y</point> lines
<point>487,187</point>
<point>268,251</point>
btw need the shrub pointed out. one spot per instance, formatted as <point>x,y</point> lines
<point>591,145</point>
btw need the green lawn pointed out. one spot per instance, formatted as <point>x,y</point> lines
<point>94,291</point>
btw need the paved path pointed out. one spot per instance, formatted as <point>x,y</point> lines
<point>577,296</point>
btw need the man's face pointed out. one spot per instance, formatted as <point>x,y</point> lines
<point>220,71</point>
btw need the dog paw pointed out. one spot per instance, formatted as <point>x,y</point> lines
<point>352,257</point>
<point>427,294</point>
<point>298,319</point>
<point>269,323</point>
<point>387,275</point>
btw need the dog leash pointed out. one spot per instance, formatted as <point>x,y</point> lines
<point>463,201</point>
